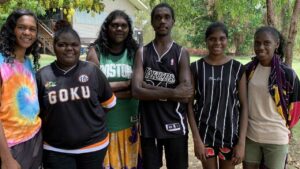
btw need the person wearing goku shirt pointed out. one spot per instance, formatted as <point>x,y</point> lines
<point>74,96</point>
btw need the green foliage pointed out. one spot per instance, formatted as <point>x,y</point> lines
<point>40,6</point>
<point>242,18</point>
<point>12,5</point>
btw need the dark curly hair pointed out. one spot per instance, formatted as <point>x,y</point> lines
<point>103,40</point>
<point>8,37</point>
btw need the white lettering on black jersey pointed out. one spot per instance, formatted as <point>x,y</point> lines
<point>173,127</point>
<point>158,78</point>
<point>83,78</point>
<point>73,93</point>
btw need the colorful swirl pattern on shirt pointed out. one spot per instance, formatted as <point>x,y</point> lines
<point>19,102</point>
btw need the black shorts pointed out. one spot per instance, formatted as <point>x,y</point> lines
<point>29,153</point>
<point>176,152</point>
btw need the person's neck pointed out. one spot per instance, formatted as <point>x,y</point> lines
<point>64,68</point>
<point>217,59</point>
<point>162,40</point>
<point>20,54</point>
<point>116,48</point>
<point>265,63</point>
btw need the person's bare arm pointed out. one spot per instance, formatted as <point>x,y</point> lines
<point>7,160</point>
<point>121,89</point>
<point>91,56</point>
<point>239,149</point>
<point>120,86</point>
<point>142,91</point>
<point>115,86</point>
<point>199,147</point>
<point>123,94</point>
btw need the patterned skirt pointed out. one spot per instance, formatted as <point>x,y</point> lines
<point>124,150</point>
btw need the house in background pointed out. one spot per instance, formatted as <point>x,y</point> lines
<point>87,25</point>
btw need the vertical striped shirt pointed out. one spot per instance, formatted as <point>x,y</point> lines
<point>217,106</point>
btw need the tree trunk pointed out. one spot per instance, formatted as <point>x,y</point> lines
<point>2,1</point>
<point>270,13</point>
<point>285,15</point>
<point>238,39</point>
<point>292,34</point>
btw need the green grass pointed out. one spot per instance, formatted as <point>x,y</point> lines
<point>47,59</point>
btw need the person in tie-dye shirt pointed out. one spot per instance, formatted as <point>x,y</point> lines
<point>20,136</point>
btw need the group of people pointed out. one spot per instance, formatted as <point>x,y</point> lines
<point>127,105</point>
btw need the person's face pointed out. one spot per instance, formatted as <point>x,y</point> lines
<point>216,43</point>
<point>67,50</point>
<point>162,21</point>
<point>25,32</point>
<point>118,30</point>
<point>265,46</point>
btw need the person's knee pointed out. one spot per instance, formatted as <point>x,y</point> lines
<point>210,163</point>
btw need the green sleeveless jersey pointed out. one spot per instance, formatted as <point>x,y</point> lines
<point>119,68</point>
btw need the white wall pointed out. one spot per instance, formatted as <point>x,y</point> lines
<point>88,26</point>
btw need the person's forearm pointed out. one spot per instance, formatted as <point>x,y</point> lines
<point>244,109</point>
<point>123,94</point>
<point>119,86</point>
<point>243,125</point>
<point>192,122</point>
<point>172,94</point>
<point>4,150</point>
<point>155,93</point>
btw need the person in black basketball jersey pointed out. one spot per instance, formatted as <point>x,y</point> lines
<point>74,96</point>
<point>162,82</point>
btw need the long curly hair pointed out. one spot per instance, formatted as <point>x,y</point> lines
<point>103,40</point>
<point>8,37</point>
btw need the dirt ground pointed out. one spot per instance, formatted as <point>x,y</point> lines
<point>293,160</point>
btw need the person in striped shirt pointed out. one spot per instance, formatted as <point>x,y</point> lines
<point>74,96</point>
<point>218,119</point>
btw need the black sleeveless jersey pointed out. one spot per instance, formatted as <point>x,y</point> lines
<point>72,105</point>
<point>162,118</point>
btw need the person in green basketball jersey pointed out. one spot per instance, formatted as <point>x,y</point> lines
<point>114,51</point>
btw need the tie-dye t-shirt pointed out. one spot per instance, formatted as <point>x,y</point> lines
<point>19,102</point>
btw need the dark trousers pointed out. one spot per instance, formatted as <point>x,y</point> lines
<point>176,152</point>
<point>55,160</point>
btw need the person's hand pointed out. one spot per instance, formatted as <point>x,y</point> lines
<point>290,135</point>
<point>238,153</point>
<point>10,163</point>
<point>199,150</point>
<point>184,91</point>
